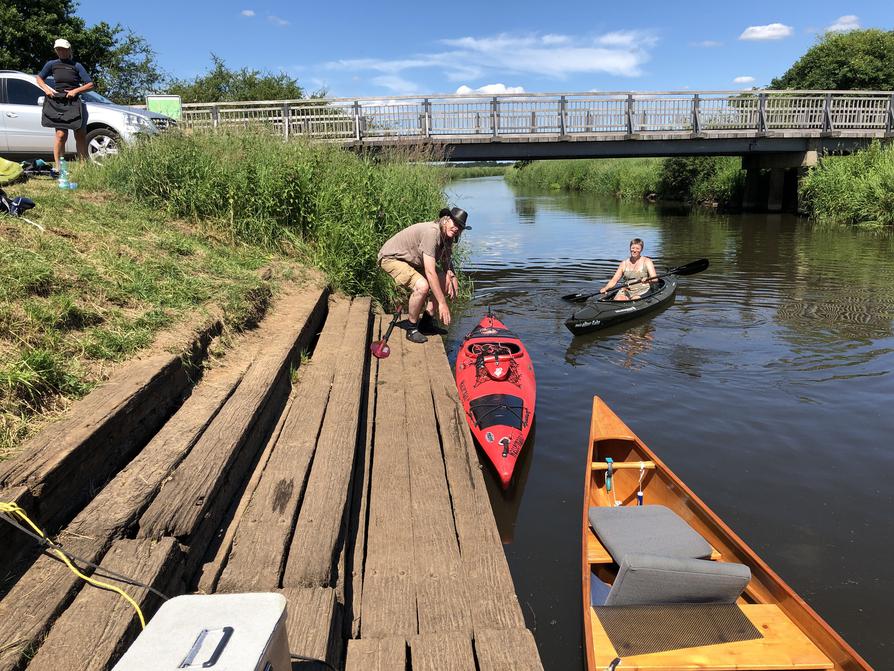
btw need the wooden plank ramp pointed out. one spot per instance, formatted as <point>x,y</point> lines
<point>436,587</point>
<point>365,506</point>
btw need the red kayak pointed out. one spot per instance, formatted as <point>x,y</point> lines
<point>496,384</point>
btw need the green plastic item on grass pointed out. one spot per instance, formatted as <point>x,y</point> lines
<point>9,172</point>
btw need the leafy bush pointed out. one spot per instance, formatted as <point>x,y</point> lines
<point>856,189</point>
<point>329,204</point>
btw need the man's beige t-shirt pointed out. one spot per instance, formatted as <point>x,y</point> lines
<point>411,243</point>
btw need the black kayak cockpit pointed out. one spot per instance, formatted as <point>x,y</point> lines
<point>497,409</point>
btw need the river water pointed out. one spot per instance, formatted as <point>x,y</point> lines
<point>766,386</point>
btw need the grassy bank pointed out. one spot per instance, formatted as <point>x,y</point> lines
<point>168,226</point>
<point>852,190</point>
<point>453,172</point>
<point>96,287</point>
<point>707,180</point>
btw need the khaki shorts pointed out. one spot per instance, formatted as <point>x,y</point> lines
<point>402,272</point>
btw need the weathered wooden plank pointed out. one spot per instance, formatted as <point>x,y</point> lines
<point>31,605</point>
<point>389,597</point>
<point>377,654</point>
<point>491,592</point>
<point>506,650</point>
<point>360,501</point>
<point>71,458</point>
<point>99,624</point>
<point>35,601</point>
<point>212,569</point>
<point>312,625</point>
<point>449,651</point>
<point>258,550</point>
<point>321,520</point>
<point>441,600</point>
<point>216,467</point>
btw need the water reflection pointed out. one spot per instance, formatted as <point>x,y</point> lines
<point>506,503</point>
<point>765,386</point>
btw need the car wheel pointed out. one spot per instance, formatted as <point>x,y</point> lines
<point>102,143</point>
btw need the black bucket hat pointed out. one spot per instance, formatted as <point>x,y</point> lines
<point>458,215</point>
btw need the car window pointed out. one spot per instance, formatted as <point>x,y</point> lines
<point>20,92</point>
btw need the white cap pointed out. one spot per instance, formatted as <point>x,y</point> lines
<point>61,44</point>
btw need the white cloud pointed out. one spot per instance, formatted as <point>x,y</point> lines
<point>707,44</point>
<point>247,12</point>
<point>772,31</point>
<point>396,84</point>
<point>745,79</point>
<point>619,53</point>
<point>844,23</point>
<point>491,89</point>
<point>277,20</point>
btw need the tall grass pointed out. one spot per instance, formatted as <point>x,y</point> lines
<point>332,206</point>
<point>852,190</point>
<point>696,180</point>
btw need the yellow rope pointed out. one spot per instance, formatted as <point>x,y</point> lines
<point>14,509</point>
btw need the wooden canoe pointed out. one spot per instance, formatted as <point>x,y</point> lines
<point>794,635</point>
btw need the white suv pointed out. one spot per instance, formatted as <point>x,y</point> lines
<point>108,124</point>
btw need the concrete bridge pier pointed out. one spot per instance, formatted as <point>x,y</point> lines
<point>771,180</point>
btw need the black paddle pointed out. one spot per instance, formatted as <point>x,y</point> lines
<point>689,269</point>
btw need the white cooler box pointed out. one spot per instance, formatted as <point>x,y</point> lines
<point>220,632</point>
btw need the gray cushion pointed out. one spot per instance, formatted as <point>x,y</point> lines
<point>649,579</point>
<point>654,530</point>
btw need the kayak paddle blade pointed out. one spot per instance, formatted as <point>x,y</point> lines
<point>380,349</point>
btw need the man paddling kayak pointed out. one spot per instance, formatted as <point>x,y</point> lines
<point>637,268</point>
<point>412,257</point>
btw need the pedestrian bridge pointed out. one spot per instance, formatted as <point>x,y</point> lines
<point>577,125</point>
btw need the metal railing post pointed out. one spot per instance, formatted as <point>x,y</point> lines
<point>889,125</point>
<point>630,114</point>
<point>696,123</point>
<point>215,116</point>
<point>761,112</point>
<point>286,121</point>
<point>563,110</point>
<point>495,115</point>
<point>426,110</point>
<point>827,113</point>
<point>357,130</point>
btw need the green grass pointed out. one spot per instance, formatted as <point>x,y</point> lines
<point>96,287</point>
<point>709,180</point>
<point>855,190</point>
<point>170,225</point>
<point>330,207</point>
<point>453,172</point>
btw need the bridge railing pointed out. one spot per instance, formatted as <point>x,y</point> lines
<point>455,117</point>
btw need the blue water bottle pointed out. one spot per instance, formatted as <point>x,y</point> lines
<point>63,173</point>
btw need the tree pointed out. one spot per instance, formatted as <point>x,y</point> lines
<point>857,60</point>
<point>221,84</point>
<point>121,63</point>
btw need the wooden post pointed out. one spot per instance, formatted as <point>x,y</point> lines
<point>889,125</point>
<point>696,125</point>
<point>215,116</point>
<point>563,109</point>
<point>357,120</point>
<point>630,114</point>
<point>495,115</point>
<point>285,122</point>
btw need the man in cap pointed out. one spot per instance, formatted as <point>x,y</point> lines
<point>63,109</point>
<point>412,257</point>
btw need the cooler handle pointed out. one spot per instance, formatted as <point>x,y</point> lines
<point>225,634</point>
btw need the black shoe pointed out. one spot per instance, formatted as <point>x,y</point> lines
<point>413,335</point>
<point>429,326</point>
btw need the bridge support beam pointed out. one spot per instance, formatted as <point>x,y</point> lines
<point>778,190</point>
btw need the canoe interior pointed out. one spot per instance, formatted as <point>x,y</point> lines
<point>610,437</point>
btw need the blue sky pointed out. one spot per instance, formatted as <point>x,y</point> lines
<point>404,48</point>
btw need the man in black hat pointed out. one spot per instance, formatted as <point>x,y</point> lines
<point>412,257</point>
